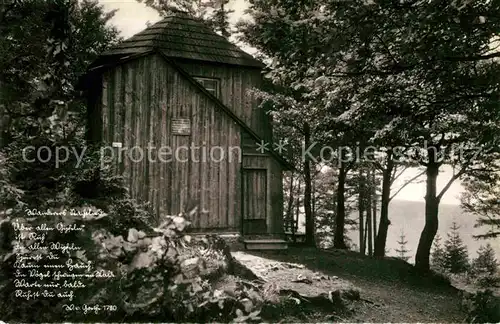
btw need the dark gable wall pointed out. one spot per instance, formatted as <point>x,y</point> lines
<point>235,83</point>
<point>139,100</point>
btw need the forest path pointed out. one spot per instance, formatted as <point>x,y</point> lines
<point>390,290</point>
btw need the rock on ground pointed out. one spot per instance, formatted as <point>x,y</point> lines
<point>297,281</point>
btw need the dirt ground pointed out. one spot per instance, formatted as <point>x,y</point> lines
<point>388,290</point>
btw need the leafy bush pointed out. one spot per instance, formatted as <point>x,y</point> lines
<point>482,307</point>
<point>484,268</point>
<point>485,280</point>
<point>160,274</point>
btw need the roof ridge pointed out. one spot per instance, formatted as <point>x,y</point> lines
<point>232,47</point>
<point>186,16</point>
<point>175,25</point>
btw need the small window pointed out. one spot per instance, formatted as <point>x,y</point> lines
<point>211,85</point>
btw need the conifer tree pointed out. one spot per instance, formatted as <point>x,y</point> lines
<point>485,262</point>
<point>402,250</point>
<point>455,251</point>
<point>437,255</point>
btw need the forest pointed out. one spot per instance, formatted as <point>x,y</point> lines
<point>359,92</point>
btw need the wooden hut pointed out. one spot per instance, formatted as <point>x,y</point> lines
<point>179,88</point>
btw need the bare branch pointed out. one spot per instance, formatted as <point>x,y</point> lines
<point>450,182</point>
<point>395,175</point>
<point>406,183</point>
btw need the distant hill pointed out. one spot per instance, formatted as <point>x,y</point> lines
<point>410,216</point>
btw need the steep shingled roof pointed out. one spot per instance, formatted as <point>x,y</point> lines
<point>181,36</point>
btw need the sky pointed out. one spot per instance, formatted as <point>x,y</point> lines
<point>132,17</point>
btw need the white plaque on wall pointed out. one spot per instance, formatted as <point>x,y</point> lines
<point>181,126</point>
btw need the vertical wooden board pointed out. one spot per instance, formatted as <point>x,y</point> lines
<point>225,84</point>
<point>169,89</point>
<point>137,126</point>
<point>257,120</point>
<point>238,208</point>
<point>188,94</point>
<point>111,108</point>
<point>229,77</point>
<point>232,169</point>
<point>117,116</point>
<point>152,142</point>
<point>157,138</point>
<point>123,116</point>
<point>146,111</point>
<point>194,170</point>
<point>201,222</point>
<point>269,197</point>
<point>181,140</point>
<point>163,93</point>
<point>172,179</point>
<point>271,211</point>
<point>246,109</point>
<point>244,190</point>
<point>134,124</point>
<point>255,193</point>
<point>185,94</point>
<point>176,167</point>
<point>97,113</point>
<point>242,82</point>
<point>223,128</point>
<point>128,122</point>
<point>138,129</point>
<point>105,108</point>
<point>246,85</point>
<point>205,165</point>
<point>146,127</point>
<point>228,90</point>
<point>237,104</point>
<point>214,169</point>
<point>263,193</point>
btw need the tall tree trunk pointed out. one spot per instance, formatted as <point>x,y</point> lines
<point>4,117</point>
<point>308,190</point>
<point>431,214</point>
<point>313,197</point>
<point>338,240</point>
<point>289,208</point>
<point>384,223</point>
<point>295,223</point>
<point>374,204</point>
<point>3,125</point>
<point>361,209</point>
<point>365,235</point>
<point>369,225</point>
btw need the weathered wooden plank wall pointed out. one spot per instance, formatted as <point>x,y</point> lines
<point>139,100</point>
<point>235,82</point>
<point>274,188</point>
<point>255,202</point>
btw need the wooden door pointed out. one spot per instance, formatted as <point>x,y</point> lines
<point>254,201</point>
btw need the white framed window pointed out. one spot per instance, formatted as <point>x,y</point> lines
<point>211,85</point>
